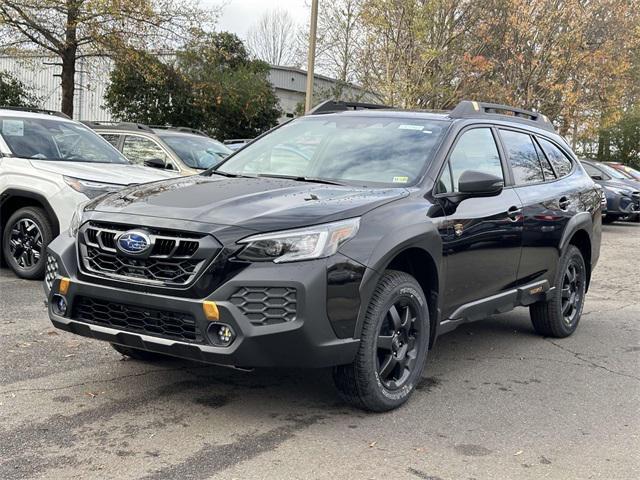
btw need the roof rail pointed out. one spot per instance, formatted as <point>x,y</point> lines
<point>132,126</point>
<point>332,106</point>
<point>472,109</point>
<point>194,131</point>
<point>230,141</point>
<point>37,110</point>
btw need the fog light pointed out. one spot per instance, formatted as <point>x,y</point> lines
<point>59,305</point>
<point>221,335</point>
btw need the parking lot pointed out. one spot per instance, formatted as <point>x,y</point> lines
<point>497,402</point>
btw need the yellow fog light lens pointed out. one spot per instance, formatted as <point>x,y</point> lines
<point>63,286</point>
<point>210,310</point>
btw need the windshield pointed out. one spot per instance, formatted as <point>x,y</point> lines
<point>342,148</point>
<point>197,152</point>
<point>49,139</point>
<point>612,172</point>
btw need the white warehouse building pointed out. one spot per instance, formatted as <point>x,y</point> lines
<point>41,73</point>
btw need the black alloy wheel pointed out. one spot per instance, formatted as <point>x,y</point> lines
<point>572,292</point>
<point>25,243</point>
<point>559,314</point>
<point>25,238</point>
<point>393,348</point>
<point>397,345</point>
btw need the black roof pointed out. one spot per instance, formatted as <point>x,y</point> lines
<point>464,109</point>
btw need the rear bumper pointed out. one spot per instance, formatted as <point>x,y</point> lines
<point>308,340</point>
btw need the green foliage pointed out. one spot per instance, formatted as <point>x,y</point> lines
<point>211,85</point>
<point>623,140</point>
<point>14,93</point>
<point>145,90</point>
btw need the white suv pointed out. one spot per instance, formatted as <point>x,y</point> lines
<point>48,165</point>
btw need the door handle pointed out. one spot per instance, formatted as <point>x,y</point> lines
<point>514,213</point>
<point>564,203</point>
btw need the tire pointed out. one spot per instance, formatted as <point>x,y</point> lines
<point>559,316</point>
<point>609,219</point>
<point>397,320</point>
<point>24,242</point>
<point>142,355</point>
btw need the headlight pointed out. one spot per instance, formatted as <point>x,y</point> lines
<point>619,191</point>
<point>301,244</point>
<point>91,189</point>
<point>76,219</point>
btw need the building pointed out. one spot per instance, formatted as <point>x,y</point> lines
<point>42,74</point>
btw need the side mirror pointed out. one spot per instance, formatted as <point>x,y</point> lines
<point>596,177</point>
<point>155,163</point>
<point>479,184</point>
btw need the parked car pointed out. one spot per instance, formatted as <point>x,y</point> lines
<point>236,143</point>
<point>623,193</point>
<point>626,169</point>
<point>181,149</point>
<point>48,165</point>
<point>397,227</point>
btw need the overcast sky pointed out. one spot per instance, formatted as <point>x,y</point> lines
<point>238,15</point>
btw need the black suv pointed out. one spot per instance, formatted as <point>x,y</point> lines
<point>349,238</point>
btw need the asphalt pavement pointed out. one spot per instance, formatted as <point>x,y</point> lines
<point>497,402</point>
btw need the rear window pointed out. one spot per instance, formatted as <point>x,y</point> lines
<point>49,139</point>
<point>523,157</point>
<point>558,159</point>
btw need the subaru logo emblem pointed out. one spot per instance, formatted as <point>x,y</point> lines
<point>133,242</point>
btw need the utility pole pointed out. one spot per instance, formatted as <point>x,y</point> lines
<point>308,102</point>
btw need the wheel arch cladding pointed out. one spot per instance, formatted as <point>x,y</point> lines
<point>13,200</point>
<point>419,254</point>
<point>582,242</point>
<point>420,265</point>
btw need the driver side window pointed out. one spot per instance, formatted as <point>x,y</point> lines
<point>476,150</point>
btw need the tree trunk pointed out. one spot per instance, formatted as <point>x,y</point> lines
<point>68,81</point>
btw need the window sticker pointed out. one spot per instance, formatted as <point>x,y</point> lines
<point>410,127</point>
<point>13,128</point>
<point>400,179</point>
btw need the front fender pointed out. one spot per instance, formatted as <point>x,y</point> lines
<point>385,233</point>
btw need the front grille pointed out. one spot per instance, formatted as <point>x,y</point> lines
<point>266,305</point>
<point>174,260</point>
<point>50,271</point>
<point>157,323</point>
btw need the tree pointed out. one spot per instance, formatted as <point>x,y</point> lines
<point>70,29</point>
<point>231,89</point>
<point>273,38</point>
<point>14,93</point>
<point>623,139</point>
<point>211,84</point>
<point>144,89</point>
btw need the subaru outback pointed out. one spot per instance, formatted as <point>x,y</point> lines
<point>349,238</point>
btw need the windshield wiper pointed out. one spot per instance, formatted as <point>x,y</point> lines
<point>300,178</point>
<point>226,174</point>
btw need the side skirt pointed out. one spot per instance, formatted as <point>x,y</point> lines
<point>500,303</point>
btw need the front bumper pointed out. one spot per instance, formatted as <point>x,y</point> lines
<point>308,340</point>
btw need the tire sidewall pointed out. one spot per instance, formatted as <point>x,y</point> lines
<point>572,253</point>
<point>411,291</point>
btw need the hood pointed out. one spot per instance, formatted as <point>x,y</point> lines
<point>117,173</point>
<point>259,204</point>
